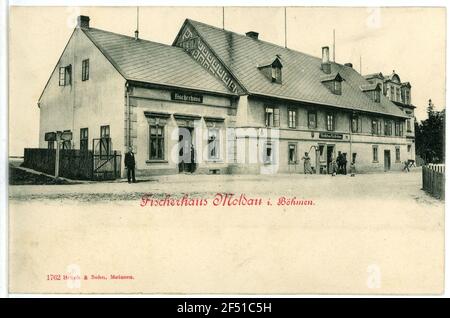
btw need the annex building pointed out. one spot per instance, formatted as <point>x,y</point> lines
<point>220,102</point>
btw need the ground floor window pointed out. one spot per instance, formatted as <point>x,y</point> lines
<point>156,142</point>
<point>213,143</point>
<point>268,153</point>
<point>66,144</point>
<point>375,153</point>
<point>409,148</point>
<point>84,139</point>
<point>397,154</point>
<point>105,141</point>
<point>292,153</point>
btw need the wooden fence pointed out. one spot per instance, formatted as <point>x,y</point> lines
<point>433,180</point>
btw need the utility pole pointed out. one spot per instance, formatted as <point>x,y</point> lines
<point>285,28</point>
<point>223,18</point>
<point>334,46</point>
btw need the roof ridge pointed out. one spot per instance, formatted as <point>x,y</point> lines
<point>263,41</point>
<point>132,38</point>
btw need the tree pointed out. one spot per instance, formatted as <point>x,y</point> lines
<point>430,136</point>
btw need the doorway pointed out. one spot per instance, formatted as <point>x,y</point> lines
<point>186,150</point>
<point>387,160</point>
<point>330,158</point>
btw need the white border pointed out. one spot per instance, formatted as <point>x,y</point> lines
<point>4,121</point>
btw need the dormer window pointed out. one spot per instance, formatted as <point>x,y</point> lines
<point>333,82</point>
<point>272,70</point>
<point>373,91</point>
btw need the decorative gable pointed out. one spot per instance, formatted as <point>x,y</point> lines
<point>189,39</point>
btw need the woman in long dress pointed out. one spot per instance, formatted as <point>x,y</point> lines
<point>307,164</point>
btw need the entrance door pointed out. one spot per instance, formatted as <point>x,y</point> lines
<point>387,160</point>
<point>330,157</point>
<point>186,152</point>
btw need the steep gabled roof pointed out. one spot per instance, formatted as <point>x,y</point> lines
<point>155,63</point>
<point>301,72</point>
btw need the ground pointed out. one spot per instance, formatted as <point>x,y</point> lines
<point>373,233</point>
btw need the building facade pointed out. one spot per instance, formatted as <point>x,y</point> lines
<point>220,102</point>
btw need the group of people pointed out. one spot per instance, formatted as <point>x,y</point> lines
<point>338,165</point>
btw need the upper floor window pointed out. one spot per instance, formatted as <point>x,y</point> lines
<point>330,121</point>
<point>388,127</point>
<point>377,96</point>
<point>85,70</point>
<point>292,118</point>
<point>408,125</point>
<point>392,92</point>
<point>397,94</point>
<point>375,127</point>
<point>356,123</point>
<point>312,119</point>
<point>272,116</point>
<point>65,75</point>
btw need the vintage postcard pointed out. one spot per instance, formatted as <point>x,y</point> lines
<point>226,150</point>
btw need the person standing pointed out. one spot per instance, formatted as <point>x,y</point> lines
<point>307,164</point>
<point>339,163</point>
<point>344,163</point>
<point>193,159</point>
<point>130,165</point>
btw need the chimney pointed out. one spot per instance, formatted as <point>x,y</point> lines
<point>252,34</point>
<point>326,65</point>
<point>136,35</point>
<point>349,65</point>
<point>83,22</point>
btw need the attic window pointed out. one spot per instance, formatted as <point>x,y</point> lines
<point>276,74</point>
<point>333,82</point>
<point>272,70</point>
<point>65,75</point>
<point>373,91</point>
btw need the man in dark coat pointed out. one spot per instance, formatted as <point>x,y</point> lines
<point>130,164</point>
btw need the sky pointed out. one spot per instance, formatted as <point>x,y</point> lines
<point>411,41</point>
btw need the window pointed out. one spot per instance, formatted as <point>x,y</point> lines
<point>292,118</point>
<point>312,119</point>
<point>85,70</point>
<point>268,153</point>
<point>156,142</point>
<point>356,124</point>
<point>401,128</point>
<point>391,89</point>
<point>408,125</point>
<point>272,117</point>
<point>322,153</point>
<point>51,145</point>
<point>105,141</point>
<point>397,154</point>
<point>397,128</point>
<point>276,74</point>
<point>213,143</point>
<point>66,144</point>
<point>375,127</point>
<point>330,121</point>
<point>409,148</point>
<point>292,153</point>
<point>84,139</point>
<point>397,94</point>
<point>375,153</point>
<point>407,98</point>
<point>337,87</point>
<point>376,96</point>
<point>65,75</point>
<point>387,127</point>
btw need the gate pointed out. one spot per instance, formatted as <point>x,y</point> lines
<point>106,162</point>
